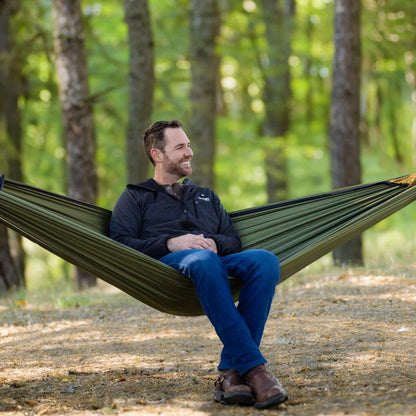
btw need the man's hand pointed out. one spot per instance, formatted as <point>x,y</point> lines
<point>191,241</point>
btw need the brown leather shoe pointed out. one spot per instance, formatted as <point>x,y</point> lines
<point>267,391</point>
<point>232,390</point>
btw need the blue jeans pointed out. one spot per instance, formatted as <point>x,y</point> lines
<point>241,327</point>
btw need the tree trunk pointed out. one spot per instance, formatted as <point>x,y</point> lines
<point>277,94</point>
<point>71,65</point>
<point>205,23</point>
<point>14,90</point>
<point>10,129</point>
<point>411,79</point>
<point>9,278</point>
<point>141,85</point>
<point>394,135</point>
<point>309,107</point>
<point>345,112</point>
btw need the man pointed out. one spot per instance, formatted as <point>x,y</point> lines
<point>186,227</point>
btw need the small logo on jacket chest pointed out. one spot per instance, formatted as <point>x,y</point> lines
<point>202,197</point>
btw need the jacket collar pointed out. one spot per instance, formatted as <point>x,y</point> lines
<point>151,185</point>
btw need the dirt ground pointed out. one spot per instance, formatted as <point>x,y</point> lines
<point>340,344</point>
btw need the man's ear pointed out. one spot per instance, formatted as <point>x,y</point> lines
<point>156,154</point>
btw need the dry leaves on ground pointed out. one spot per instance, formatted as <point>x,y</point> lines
<point>341,345</point>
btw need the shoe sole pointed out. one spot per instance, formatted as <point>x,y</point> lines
<point>273,401</point>
<point>242,399</point>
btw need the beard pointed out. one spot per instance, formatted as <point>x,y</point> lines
<point>177,168</point>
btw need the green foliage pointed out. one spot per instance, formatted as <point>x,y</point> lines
<point>239,165</point>
<point>242,49</point>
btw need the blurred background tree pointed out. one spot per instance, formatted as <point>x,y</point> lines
<point>141,85</point>
<point>345,112</point>
<point>76,106</point>
<point>12,271</point>
<point>204,30</point>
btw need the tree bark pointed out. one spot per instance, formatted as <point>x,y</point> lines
<point>9,277</point>
<point>411,79</point>
<point>309,107</point>
<point>10,124</point>
<point>394,134</point>
<point>277,94</point>
<point>14,89</point>
<point>345,112</point>
<point>205,24</point>
<point>141,85</point>
<point>71,65</point>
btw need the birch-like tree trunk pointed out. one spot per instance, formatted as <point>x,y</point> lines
<point>141,85</point>
<point>205,24</point>
<point>77,114</point>
<point>345,112</point>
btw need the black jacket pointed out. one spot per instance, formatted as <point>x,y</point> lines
<point>145,217</point>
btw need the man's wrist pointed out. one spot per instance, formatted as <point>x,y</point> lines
<point>168,244</point>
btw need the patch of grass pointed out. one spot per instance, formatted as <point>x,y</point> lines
<point>62,294</point>
<point>59,295</point>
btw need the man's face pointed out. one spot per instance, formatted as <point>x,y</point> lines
<point>177,154</point>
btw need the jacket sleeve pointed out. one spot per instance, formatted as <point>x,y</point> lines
<point>125,227</point>
<point>226,238</point>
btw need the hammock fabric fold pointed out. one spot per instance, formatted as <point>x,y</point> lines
<point>298,231</point>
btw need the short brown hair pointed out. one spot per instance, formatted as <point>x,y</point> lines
<point>154,135</point>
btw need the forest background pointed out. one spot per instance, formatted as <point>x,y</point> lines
<point>269,134</point>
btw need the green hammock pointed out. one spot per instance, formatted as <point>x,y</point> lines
<point>298,232</point>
